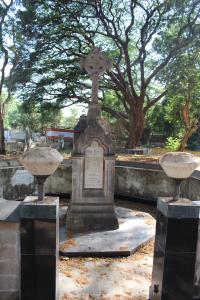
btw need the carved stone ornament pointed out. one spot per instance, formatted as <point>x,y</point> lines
<point>178,165</point>
<point>41,160</point>
<point>95,63</point>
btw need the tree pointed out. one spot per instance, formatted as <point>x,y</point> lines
<point>31,116</point>
<point>183,105</point>
<point>141,37</point>
<point>12,115</point>
<point>8,61</point>
<point>158,120</point>
<point>38,117</point>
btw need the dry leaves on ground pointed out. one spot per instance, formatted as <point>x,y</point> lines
<point>104,297</point>
<point>68,244</point>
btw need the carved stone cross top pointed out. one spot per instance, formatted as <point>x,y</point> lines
<point>95,64</point>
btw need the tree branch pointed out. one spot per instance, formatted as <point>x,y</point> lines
<point>154,101</point>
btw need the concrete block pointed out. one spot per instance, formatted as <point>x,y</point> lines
<point>9,282</point>
<point>9,267</point>
<point>9,295</point>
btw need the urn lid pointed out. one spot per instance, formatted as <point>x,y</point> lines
<point>178,165</point>
<point>41,160</point>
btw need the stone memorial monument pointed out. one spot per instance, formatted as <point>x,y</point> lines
<point>93,163</point>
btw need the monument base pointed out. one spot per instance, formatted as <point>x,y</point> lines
<point>176,267</point>
<point>39,248</point>
<point>92,219</point>
<point>135,230</point>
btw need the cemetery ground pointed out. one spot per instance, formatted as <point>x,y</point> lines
<point>153,156</point>
<point>124,278</point>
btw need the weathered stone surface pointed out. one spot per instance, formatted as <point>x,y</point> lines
<point>9,295</point>
<point>142,183</point>
<point>9,282</point>
<point>9,260</point>
<point>93,168</point>
<point>41,160</point>
<point>134,231</point>
<point>14,185</point>
<point>92,202</point>
<point>61,181</point>
<point>22,177</point>
<point>8,267</point>
<point>95,62</point>
<point>178,165</point>
<point>143,180</point>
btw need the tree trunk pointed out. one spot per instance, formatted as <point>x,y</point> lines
<point>188,133</point>
<point>2,139</point>
<point>136,126</point>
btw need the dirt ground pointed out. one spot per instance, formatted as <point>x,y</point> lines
<point>107,278</point>
<point>125,278</point>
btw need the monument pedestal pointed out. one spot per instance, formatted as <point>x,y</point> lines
<point>176,267</point>
<point>92,203</point>
<point>39,248</point>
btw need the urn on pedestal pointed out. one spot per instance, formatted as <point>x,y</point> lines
<point>179,166</point>
<point>41,162</point>
<point>177,244</point>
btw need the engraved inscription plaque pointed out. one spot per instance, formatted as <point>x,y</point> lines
<point>93,178</point>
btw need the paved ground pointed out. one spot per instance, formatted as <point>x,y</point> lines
<point>109,278</point>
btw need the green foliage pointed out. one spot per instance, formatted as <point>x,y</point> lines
<point>141,37</point>
<point>157,120</point>
<point>180,110</point>
<point>33,116</point>
<point>173,143</point>
<point>194,141</point>
<point>58,33</point>
<point>12,116</point>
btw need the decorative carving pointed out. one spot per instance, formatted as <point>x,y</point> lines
<point>95,64</point>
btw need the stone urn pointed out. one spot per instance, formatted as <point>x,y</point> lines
<point>41,162</point>
<point>179,166</point>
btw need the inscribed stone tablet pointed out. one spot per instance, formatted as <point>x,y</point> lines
<point>93,178</point>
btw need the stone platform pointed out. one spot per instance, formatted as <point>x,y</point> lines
<point>135,230</point>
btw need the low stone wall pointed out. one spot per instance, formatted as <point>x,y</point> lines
<point>147,181</point>
<point>144,181</point>
<point>16,183</point>
<point>61,181</point>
